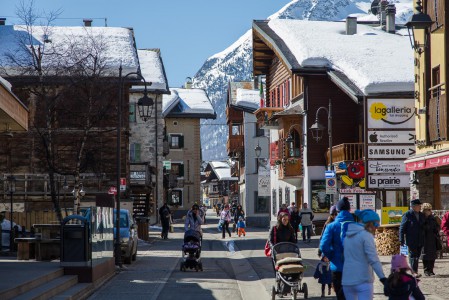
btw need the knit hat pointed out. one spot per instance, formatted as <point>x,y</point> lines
<point>368,215</point>
<point>415,202</point>
<point>399,262</point>
<point>426,206</point>
<point>333,210</point>
<point>343,204</point>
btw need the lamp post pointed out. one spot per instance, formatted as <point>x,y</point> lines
<point>78,192</point>
<point>145,106</point>
<point>11,189</point>
<point>317,130</point>
<point>418,20</point>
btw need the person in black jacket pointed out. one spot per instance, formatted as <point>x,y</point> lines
<point>284,230</point>
<point>411,233</point>
<point>431,230</point>
<point>165,215</point>
<point>295,220</point>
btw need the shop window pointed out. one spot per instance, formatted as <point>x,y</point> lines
<point>175,198</point>
<point>262,203</point>
<point>176,141</point>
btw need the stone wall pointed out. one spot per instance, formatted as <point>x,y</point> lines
<point>423,191</point>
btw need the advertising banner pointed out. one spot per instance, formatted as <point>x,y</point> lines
<point>264,181</point>
<point>391,113</point>
<point>393,214</point>
<point>386,166</point>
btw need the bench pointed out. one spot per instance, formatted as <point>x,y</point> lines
<point>48,249</point>
<point>26,248</point>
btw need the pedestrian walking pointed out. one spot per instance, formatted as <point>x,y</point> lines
<point>324,275</point>
<point>361,257</point>
<point>284,209</point>
<point>431,239</point>
<point>241,227</point>
<point>332,215</point>
<point>411,233</point>
<point>165,216</point>
<point>291,207</point>
<point>305,218</point>
<point>225,217</point>
<point>445,226</point>
<point>239,212</point>
<point>284,231</point>
<point>203,209</point>
<point>401,285</point>
<point>332,247</point>
<point>294,221</point>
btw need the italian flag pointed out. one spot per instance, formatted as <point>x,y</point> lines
<point>262,100</point>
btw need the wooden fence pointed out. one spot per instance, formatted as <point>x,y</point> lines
<point>27,219</point>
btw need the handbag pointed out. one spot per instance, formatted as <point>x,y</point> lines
<point>267,245</point>
<point>172,229</point>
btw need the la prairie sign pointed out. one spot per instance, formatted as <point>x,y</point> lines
<point>388,181</point>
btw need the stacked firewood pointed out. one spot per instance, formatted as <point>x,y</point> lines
<point>387,240</point>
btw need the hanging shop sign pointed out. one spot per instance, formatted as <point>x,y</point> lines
<point>392,214</point>
<point>391,113</point>
<point>264,182</point>
<point>386,166</point>
<point>391,137</point>
<point>390,152</point>
<point>388,181</point>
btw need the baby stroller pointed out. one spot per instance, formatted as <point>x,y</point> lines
<point>289,271</point>
<point>191,251</point>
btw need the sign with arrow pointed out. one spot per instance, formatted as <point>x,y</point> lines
<point>390,152</point>
<point>391,137</point>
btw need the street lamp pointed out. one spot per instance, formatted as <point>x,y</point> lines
<point>418,20</point>
<point>317,130</point>
<point>258,150</point>
<point>144,106</point>
<point>11,189</point>
<point>77,192</point>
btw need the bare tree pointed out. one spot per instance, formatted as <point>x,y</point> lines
<point>70,94</point>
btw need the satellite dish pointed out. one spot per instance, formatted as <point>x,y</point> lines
<point>375,7</point>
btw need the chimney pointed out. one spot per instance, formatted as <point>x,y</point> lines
<point>2,21</point>
<point>351,25</point>
<point>383,7</point>
<point>87,22</point>
<point>391,18</point>
<point>188,84</point>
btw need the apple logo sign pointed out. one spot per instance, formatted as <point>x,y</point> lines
<point>373,138</point>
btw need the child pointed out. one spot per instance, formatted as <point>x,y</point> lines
<point>400,284</point>
<point>324,275</point>
<point>241,227</point>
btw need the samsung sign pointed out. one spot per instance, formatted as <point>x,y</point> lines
<point>391,113</point>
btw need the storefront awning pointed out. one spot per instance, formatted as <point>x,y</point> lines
<point>427,161</point>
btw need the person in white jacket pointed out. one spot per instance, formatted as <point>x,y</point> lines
<point>360,256</point>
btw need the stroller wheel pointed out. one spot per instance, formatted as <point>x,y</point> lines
<point>294,294</point>
<point>305,290</point>
<point>273,293</point>
<point>201,266</point>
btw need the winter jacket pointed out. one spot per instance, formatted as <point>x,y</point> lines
<point>360,256</point>
<point>407,286</point>
<point>445,225</point>
<point>241,224</point>
<point>282,210</point>
<point>330,243</point>
<point>283,234</point>
<point>431,237</point>
<point>295,220</point>
<point>306,217</point>
<point>165,214</point>
<point>225,215</point>
<point>193,222</point>
<point>411,230</point>
<point>323,273</point>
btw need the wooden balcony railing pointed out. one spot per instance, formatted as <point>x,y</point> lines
<point>234,115</point>
<point>290,168</point>
<point>235,144</point>
<point>346,152</point>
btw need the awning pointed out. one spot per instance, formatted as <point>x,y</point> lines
<point>297,181</point>
<point>428,161</point>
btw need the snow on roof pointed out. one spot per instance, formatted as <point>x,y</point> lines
<point>248,98</point>
<point>376,61</point>
<point>218,164</point>
<point>189,101</point>
<point>5,83</point>
<point>115,45</point>
<point>152,70</point>
<point>224,174</point>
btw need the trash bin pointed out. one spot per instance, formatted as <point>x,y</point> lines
<point>75,251</point>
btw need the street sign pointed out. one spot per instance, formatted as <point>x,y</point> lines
<point>389,152</point>
<point>386,166</point>
<point>122,184</point>
<point>329,174</point>
<point>331,186</point>
<point>391,137</point>
<point>112,190</point>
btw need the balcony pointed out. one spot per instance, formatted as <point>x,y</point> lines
<point>346,152</point>
<point>233,115</point>
<point>437,120</point>
<point>264,115</point>
<point>291,171</point>
<point>235,144</point>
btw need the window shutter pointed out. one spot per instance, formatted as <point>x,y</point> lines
<point>132,112</point>
<point>181,142</point>
<point>137,152</point>
<point>181,170</point>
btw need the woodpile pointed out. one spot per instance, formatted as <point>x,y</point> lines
<point>387,240</point>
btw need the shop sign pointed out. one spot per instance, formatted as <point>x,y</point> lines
<point>388,181</point>
<point>367,201</point>
<point>137,175</point>
<point>390,152</point>
<point>355,191</point>
<point>416,165</point>
<point>264,182</point>
<point>437,161</point>
<point>166,164</point>
<point>391,137</point>
<point>392,215</point>
<point>391,113</point>
<point>386,166</point>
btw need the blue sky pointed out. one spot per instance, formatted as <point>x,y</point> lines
<point>187,32</point>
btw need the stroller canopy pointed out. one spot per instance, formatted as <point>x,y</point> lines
<point>192,235</point>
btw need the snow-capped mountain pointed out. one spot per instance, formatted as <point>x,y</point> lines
<point>235,62</point>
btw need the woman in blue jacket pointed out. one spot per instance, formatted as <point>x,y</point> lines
<point>361,257</point>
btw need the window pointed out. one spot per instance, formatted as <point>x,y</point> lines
<point>177,169</point>
<point>134,153</point>
<point>175,198</point>
<point>132,112</point>
<point>287,195</point>
<point>176,141</point>
<point>259,131</point>
<point>236,129</point>
<point>274,209</point>
<point>280,195</point>
<point>295,151</point>
<point>262,203</point>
